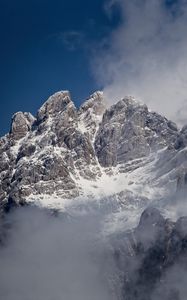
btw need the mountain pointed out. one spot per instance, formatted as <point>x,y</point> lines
<point>152,258</point>
<point>65,157</point>
<point>124,162</point>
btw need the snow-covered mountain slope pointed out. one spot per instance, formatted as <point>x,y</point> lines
<point>120,158</point>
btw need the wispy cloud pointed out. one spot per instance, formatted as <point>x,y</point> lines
<point>146,56</point>
<point>47,257</point>
<point>72,39</point>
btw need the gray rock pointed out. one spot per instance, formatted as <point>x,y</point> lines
<point>57,103</point>
<point>49,153</point>
<point>90,113</point>
<point>129,131</point>
<point>143,265</point>
<point>21,125</point>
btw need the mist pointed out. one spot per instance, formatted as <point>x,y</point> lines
<point>173,284</point>
<point>47,257</point>
<point>146,55</point>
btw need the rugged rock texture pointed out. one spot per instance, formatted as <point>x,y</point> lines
<point>44,155</point>
<point>129,131</point>
<point>152,257</point>
<point>91,113</point>
<point>21,125</point>
<point>120,159</point>
<point>63,146</point>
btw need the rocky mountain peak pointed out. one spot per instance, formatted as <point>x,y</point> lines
<point>91,113</point>
<point>63,146</point>
<point>121,160</point>
<point>57,103</point>
<point>96,103</point>
<point>130,101</point>
<point>129,130</point>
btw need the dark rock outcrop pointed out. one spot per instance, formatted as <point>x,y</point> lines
<point>149,254</point>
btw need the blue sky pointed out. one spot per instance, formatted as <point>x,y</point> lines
<point>136,47</point>
<point>45,47</point>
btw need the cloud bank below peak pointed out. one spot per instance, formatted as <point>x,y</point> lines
<point>146,55</point>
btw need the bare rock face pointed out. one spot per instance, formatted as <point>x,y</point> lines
<point>129,131</point>
<point>53,152</point>
<point>63,146</point>
<point>57,103</point>
<point>21,125</point>
<point>91,113</point>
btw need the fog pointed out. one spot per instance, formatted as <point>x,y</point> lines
<point>47,257</point>
<point>173,284</point>
<point>146,55</point>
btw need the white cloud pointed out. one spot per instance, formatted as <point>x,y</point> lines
<point>48,257</point>
<point>146,56</point>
